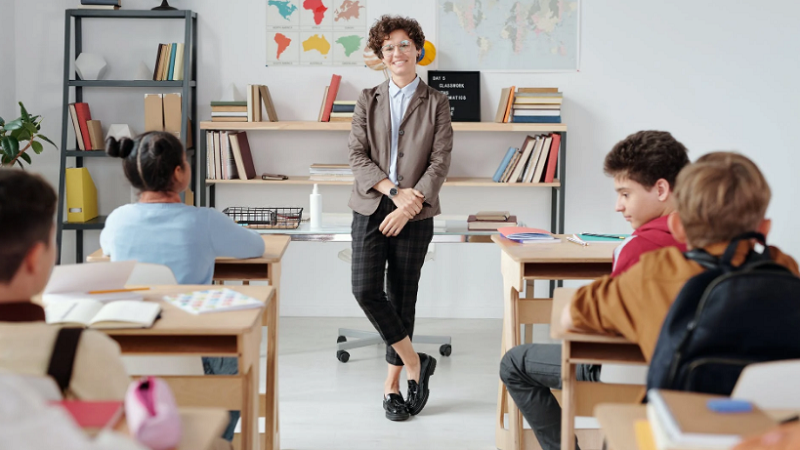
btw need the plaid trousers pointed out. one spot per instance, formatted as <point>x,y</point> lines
<point>392,310</point>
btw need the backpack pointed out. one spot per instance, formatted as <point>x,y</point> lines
<point>725,319</point>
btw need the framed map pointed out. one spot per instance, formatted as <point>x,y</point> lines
<point>508,35</point>
<point>316,32</point>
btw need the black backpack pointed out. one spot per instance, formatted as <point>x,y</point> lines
<point>726,318</point>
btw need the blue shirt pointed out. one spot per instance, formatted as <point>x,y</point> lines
<point>399,100</point>
<point>185,238</point>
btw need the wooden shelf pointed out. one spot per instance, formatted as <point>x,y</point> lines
<point>345,126</point>
<point>452,181</point>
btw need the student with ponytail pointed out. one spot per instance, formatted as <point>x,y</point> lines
<point>161,229</point>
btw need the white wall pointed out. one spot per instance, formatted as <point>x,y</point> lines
<point>8,109</point>
<point>717,74</point>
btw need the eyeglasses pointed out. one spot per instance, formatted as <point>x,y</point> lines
<point>405,47</point>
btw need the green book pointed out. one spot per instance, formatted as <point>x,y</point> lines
<point>242,103</point>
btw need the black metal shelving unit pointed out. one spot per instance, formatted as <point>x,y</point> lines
<point>73,21</point>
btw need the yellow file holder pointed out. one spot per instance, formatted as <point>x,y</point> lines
<point>81,195</point>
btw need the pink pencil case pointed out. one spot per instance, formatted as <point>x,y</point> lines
<point>152,414</point>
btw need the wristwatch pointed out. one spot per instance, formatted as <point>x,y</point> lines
<point>393,192</point>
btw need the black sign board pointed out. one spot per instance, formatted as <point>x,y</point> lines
<point>464,91</point>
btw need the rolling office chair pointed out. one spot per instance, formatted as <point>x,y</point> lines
<point>365,338</point>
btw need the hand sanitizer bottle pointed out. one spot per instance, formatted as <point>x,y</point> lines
<point>315,208</point>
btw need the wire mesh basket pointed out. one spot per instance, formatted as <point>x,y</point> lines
<point>265,217</point>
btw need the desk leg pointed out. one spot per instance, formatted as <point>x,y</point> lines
<point>272,434</point>
<point>250,382</point>
<point>512,438</point>
<point>568,404</point>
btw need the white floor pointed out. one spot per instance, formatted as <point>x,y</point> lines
<point>326,404</point>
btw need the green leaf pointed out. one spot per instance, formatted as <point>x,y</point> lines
<point>25,115</point>
<point>27,157</point>
<point>2,121</point>
<point>10,146</point>
<point>13,125</point>
<point>30,127</point>
<point>44,138</point>
<point>37,147</point>
<point>21,135</point>
<point>19,161</point>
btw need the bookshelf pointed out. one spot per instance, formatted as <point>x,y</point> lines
<point>73,39</point>
<point>558,197</point>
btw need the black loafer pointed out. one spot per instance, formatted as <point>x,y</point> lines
<point>418,392</point>
<point>395,408</point>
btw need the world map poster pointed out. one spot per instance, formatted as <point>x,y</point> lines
<point>316,32</point>
<point>523,35</point>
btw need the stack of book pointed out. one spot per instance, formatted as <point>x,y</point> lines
<point>529,105</point>
<point>88,132</point>
<point>491,221</point>
<point>328,98</point>
<point>233,111</point>
<point>331,172</point>
<point>525,235</point>
<point>228,156</point>
<point>698,421</point>
<point>343,110</point>
<point>534,162</point>
<point>101,4</point>
<point>245,110</point>
<point>169,62</point>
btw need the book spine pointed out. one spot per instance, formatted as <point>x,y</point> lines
<point>334,89</point>
<point>172,53</point>
<point>84,115</point>
<point>536,119</point>
<point>502,168</point>
<point>555,146</point>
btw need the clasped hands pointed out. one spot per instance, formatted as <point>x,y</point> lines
<point>409,204</point>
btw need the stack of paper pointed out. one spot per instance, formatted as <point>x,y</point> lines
<point>213,300</point>
<point>525,235</point>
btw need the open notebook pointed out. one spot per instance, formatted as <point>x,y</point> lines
<point>94,314</point>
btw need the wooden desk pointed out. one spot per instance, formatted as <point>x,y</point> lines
<point>235,333</point>
<point>265,268</point>
<point>557,261</point>
<point>200,427</point>
<point>584,348</point>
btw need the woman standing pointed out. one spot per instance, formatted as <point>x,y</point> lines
<point>400,147</point>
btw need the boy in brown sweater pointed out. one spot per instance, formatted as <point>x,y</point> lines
<point>719,197</point>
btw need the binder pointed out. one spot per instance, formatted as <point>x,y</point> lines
<point>81,195</point>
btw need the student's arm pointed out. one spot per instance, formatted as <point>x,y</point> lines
<point>608,305</point>
<point>107,236</point>
<point>630,253</point>
<point>439,163</point>
<point>98,372</point>
<point>231,239</point>
<point>365,171</point>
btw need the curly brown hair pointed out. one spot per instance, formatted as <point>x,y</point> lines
<point>384,27</point>
<point>646,157</point>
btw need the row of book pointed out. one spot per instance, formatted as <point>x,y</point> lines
<point>331,172</point>
<point>534,162</point>
<point>101,4</point>
<point>332,110</point>
<point>490,220</point>
<point>246,110</point>
<point>529,105</point>
<point>169,62</point>
<point>228,156</point>
<point>88,132</point>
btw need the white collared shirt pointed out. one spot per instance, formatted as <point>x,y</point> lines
<point>399,100</point>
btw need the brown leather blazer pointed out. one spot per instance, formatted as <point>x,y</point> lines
<point>423,148</point>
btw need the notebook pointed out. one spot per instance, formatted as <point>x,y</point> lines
<point>70,282</point>
<point>525,235</point>
<point>95,314</point>
<point>681,419</point>
<point>213,300</point>
<point>93,416</point>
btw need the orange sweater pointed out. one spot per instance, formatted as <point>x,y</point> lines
<point>635,303</point>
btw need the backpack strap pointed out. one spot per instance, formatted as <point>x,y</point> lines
<point>703,258</point>
<point>730,252</point>
<point>63,357</point>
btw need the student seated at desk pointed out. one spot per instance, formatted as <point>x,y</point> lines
<point>160,229</point>
<point>644,166</point>
<point>27,254</point>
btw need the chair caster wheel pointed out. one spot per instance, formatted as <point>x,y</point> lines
<point>342,356</point>
<point>445,350</point>
<point>341,339</point>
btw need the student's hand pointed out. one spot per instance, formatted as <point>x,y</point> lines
<point>566,319</point>
<point>393,224</point>
<point>409,201</point>
<point>785,437</point>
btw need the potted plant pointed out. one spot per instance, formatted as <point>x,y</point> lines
<point>23,130</point>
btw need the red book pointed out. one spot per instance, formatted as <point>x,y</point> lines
<point>553,158</point>
<point>244,158</point>
<point>93,416</point>
<point>82,110</point>
<point>332,91</point>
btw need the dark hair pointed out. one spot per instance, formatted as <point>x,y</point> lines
<point>27,206</point>
<point>384,26</point>
<point>149,160</point>
<point>647,156</point>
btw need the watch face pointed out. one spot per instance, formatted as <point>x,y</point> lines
<point>393,192</point>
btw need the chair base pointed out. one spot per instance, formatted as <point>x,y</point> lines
<point>366,338</point>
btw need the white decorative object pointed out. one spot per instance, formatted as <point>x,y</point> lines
<point>144,72</point>
<point>90,66</point>
<point>119,131</point>
<point>232,95</point>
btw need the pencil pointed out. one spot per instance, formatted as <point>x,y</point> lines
<point>112,291</point>
<point>610,236</point>
<point>582,244</point>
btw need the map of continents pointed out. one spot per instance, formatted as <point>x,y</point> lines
<point>508,34</point>
<point>285,8</point>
